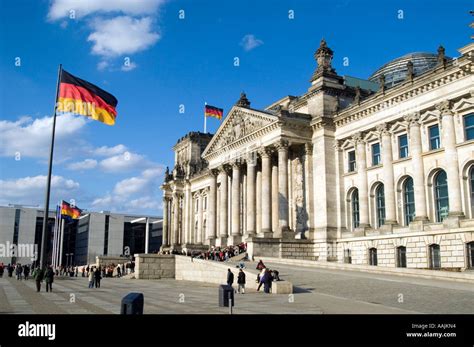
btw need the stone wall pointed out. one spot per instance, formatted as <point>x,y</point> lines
<point>154,266</point>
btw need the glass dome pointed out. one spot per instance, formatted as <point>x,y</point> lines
<point>396,70</point>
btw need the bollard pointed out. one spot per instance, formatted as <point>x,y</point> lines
<point>132,303</point>
<point>226,296</point>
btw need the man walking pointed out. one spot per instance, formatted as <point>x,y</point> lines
<point>241,281</point>
<point>91,278</point>
<point>230,278</point>
<point>97,277</point>
<point>38,275</point>
<point>49,279</point>
<point>18,270</point>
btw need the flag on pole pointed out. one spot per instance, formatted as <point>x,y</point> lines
<point>68,211</point>
<point>80,97</point>
<point>211,111</point>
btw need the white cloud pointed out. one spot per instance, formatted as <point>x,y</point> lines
<point>81,8</point>
<point>30,190</point>
<point>250,42</point>
<point>31,137</point>
<point>86,164</point>
<point>102,65</point>
<point>106,151</point>
<point>122,35</point>
<point>124,162</point>
<point>134,194</point>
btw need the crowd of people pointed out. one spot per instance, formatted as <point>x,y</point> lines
<point>265,277</point>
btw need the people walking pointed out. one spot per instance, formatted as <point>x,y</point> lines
<point>267,284</point>
<point>97,277</point>
<point>10,270</point>
<point>241,282</point>
<point>38,275</point>
<point>49,279</point>
<point>83,271</point>
<point>1,270</point>
<point>119,271</point>
<point>230,278</point>
<point>261,278</point>
<point>26,271</point>
<point>260,265</point>
<point>91,278</point>
<point>18,271</point>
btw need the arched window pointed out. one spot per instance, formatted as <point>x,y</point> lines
<point>471,184</point>
<point>373,256</point>
<point>435,257</point>
<point>401,256</point>
<point>441,196</point>
<point>470,254</point>
<point>408,200</point>
<point>380,205</point>
<point>355,209</point>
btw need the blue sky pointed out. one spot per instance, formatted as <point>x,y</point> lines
<point>173,62</point>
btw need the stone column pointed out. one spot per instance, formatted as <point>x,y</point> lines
<point>223,206</point>
<point>282,148</point>
<point>308,177</point>
<point>274,199</point>
<point>451,159</point>
<point>258,202</point>
<point>200,219</point>
<point>266,193</point>
<point>362,184</point>
<point>211,210</point>
<point>418,167</point>
<point>165,242</point>
<point>235,202</point>
<point>251,181</point>
<point>187,213</point>
<point>389,181</point>
<point>175,236</point>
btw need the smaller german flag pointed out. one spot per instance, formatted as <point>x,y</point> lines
<point>70,211</point>
<point>211,111</point>
<point>83,98</point>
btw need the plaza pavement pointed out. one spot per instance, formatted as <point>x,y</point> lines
<point>317,291</point>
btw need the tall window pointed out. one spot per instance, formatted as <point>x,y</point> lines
<point>441,196</point>
<point>373,256</point>
<point>355,209</point>
<point>351,159</point>
<point>469,126</point>
<point>471,184</point>
<point>347,256</point>
<point>470,254</point>
<point>376,154</point>
<point>401,256</point>
<point>403,146</point>
<point>435,257</point>
<point>434,137</point>
<point>380,205</point>
<point>408,200</point>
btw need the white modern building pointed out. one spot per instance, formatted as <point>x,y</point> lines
<point>377,171</point>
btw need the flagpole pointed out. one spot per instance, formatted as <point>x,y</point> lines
<point>205,118</point>
<point>45,234</point>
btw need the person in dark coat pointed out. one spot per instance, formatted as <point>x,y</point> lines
<point>10,270</point>
<point>38,275</point>
<point>19,271</point>
<point>98,277</point>
<point>26,271</point>
<point>241,281</point>
<point>267,282</point>
<point>230,278</point>
<point>260,265</point>
<point>49,279</point>
<point>1,270</point>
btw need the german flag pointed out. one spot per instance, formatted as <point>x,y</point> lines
<point>70,211</point>
<point>211,111</point>
<point>83,98</point>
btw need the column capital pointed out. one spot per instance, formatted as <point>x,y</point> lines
<point>265,152</point>
<point>224,168</point>
<point>236,164</point>
<point>282,145</point>
<point>358,138</point>
<point>251,159</point>
<point>308,148</point>
<point>444,107</point>
<point>214,172</point>
<point>383,129</point>
<point>413,119</point>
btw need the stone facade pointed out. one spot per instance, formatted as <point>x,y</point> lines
<point>154,266</point>
<point>351,171</point>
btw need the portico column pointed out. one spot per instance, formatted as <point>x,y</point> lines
<point>266,192</point>
<point>274,199</point>
<point>200,219</point>
<point>223,206</point>
<point>282,147</point>
<point>389,182</point>
<point>211,211</point>
<point>251,181</point>
<point>451,159</point>
<point>258,202</point>
<point>362,181</point>
<point>235,201</point>
<point>418,167</point>
<point>165,222</point>
<point>175,219</point>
